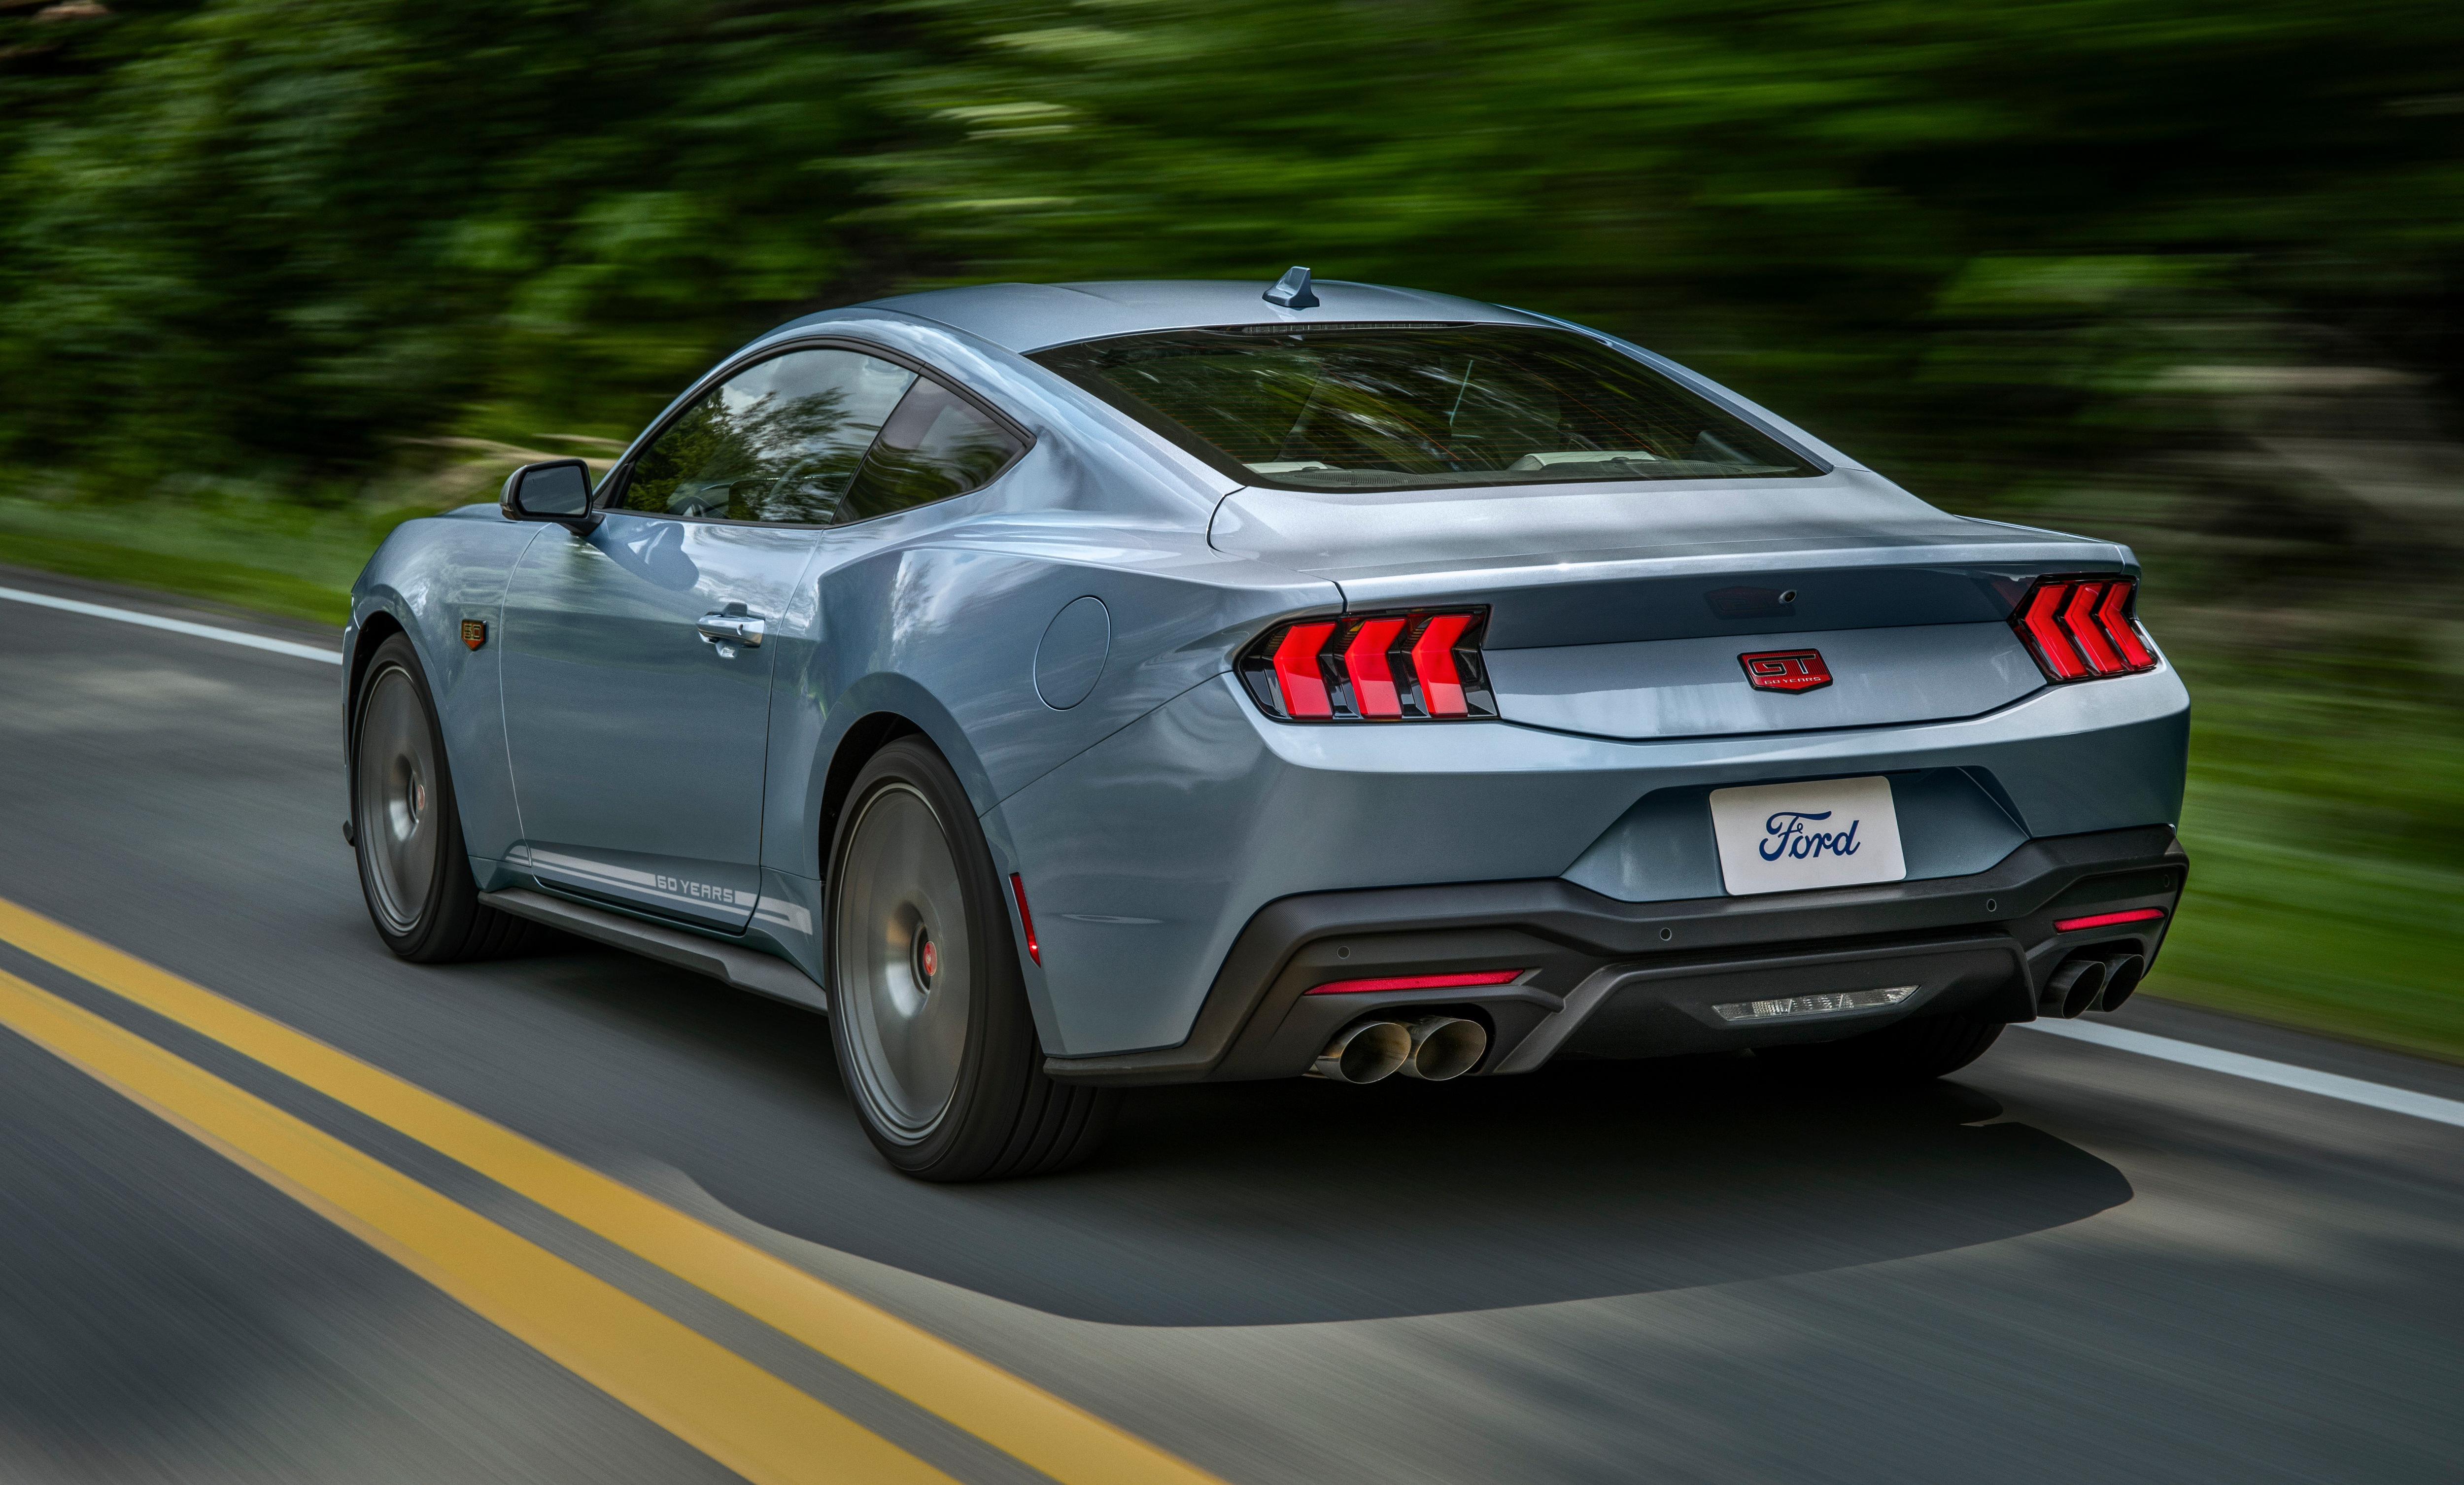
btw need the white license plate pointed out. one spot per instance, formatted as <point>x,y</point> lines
<point>1785,837</point>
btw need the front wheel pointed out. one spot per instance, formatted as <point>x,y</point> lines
<point>413,869</point>
<point>928,1007</point>
<point>1905,1051</point>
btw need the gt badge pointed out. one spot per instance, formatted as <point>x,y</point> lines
<point>1786,670</point>
<point>475,633</point>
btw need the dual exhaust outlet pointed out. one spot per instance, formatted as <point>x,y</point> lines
<point>1432,1049</point>
<point>2090,982</point>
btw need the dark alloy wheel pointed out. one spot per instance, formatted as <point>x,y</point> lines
<point>1905,1051</point>
<point>404,824</point>
<point>928,1005</point>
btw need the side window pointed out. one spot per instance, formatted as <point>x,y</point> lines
<point>780,441</point>
<point>937,445</point>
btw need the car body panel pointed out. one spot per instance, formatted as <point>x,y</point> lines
<point>1617,560</point>
<point>1150,851</point>
<point>426,579</point>
<point>637,747</point>
<point>1676,688</point>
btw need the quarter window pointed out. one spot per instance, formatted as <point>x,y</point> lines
<point>937,445</point>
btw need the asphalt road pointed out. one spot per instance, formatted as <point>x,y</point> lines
<point>2067,1263</point>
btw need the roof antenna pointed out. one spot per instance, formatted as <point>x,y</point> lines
<point>1291,290</point>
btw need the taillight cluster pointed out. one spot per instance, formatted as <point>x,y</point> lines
<point>1422,665</point>
<point>2082,628</point>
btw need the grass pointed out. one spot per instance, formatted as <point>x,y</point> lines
<point>241,585</point>
<point>2325,826</point>
<point>250,554</point>
<point>2325,816</point>
<point>248,546</point>
<point>2361,949</point>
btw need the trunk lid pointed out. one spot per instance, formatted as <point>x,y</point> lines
<point>1621,610</point>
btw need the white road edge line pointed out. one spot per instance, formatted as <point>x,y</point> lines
<point>228,636</point>
<point>2259,1070</point>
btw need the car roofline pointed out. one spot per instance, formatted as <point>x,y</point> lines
<point>1026,318</point>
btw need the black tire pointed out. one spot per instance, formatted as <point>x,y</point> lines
<point>406,827</point>
<point>928,1005</point>
<point>1905,1052</point>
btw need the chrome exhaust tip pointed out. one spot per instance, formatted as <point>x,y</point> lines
<point>2073,989</point>
<point>1371,1050</point>
<point>2121,975</point>
<point>1444,1047</point>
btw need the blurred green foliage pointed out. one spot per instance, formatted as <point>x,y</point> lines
<point>2182,273</point>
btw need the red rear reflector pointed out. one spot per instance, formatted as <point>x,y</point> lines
<point>1373,680</point>
<point>1433,661</point>
<point>1026,918</point>
<point>2118,626</point>
<point>2079,617</point>
<point>1297,673</point>
<point>1426,982</point>
<point>2036,621</point>
<point>2137,915</point>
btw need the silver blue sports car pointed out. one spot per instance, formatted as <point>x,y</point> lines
<point>1069,687</point>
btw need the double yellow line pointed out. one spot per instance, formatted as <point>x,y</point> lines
<point>712,1399</point>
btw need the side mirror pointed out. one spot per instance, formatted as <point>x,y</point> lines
<point>558,490</point>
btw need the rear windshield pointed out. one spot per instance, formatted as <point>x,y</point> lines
<point>1376,406</point>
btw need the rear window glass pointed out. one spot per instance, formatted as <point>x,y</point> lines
<point>1379,407</point>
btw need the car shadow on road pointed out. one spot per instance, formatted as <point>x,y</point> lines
<point>1303,1201</point>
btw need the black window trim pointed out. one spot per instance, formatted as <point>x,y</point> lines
<point>728,370</point>
<point>1190,442</point>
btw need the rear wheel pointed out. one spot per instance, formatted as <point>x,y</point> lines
<point>1905,1051</point>
<point>927,1007</point>
<point>413,869</point>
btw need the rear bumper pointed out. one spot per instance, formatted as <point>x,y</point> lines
<point>1616,978</point>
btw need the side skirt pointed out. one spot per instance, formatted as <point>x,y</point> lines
<point>746,970</point>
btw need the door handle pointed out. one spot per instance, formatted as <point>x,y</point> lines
<point>731,628</point>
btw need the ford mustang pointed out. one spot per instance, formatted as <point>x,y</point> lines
<point>1069,687</point>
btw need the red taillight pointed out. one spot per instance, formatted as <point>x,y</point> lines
<point>2136,915</point>
<point>2080,627</point>
<point>2113,614</point>
<point>1026,918</point>
<point>1297,672</point>
<point>2079,617</point>
<point>1419,666</point>
<point>2037,623</point>
<point>1433,661</point>
<point>1373,680</point>
<point>1421,982</point>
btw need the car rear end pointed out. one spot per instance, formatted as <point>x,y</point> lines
<point>1683,738</point>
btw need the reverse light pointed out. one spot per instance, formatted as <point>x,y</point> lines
<point>1420,982</point>
<point>2082,628</point>
<point>2136,915</point>
<point>1415,665</point>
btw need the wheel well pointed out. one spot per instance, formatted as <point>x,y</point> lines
<point>860,742</point>
<point>374,631</point>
